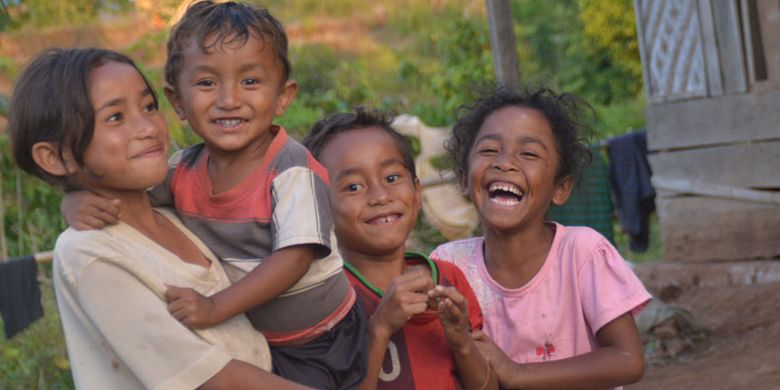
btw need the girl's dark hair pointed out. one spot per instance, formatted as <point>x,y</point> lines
<point>564,112</point>
<point>232,22</point>
<point>51,103</point>
<point>360,118</point>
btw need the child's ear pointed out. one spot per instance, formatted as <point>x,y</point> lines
<point>170,93</point>
<point>463,186</point>
<point>286,96</point>
<point>418,193</point>
<point>563,190</point>
<point>47,156</point>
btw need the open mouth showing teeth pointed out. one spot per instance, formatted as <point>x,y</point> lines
<point>505,194</point>
<point>384,219</point>
<point>228,122</point>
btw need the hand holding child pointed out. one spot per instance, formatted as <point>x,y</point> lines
<point>453,313</point>
<point>85,210</point>
<point>190,307</point>
<point>404,298</point>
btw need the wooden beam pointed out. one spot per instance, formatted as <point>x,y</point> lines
<point>502,41</point>
<point>696,228</point>
<point>748,165</point>
<point>719,120</point>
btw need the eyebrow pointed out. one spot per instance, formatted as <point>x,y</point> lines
<point>241,69</point>
<point>524,139</point>
<point>118,101</point>
<point>355,170</point>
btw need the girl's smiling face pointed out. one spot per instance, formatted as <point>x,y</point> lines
<point>512,168</point>
<point>128,150</point>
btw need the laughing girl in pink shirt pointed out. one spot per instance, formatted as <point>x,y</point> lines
<point>558,301</point>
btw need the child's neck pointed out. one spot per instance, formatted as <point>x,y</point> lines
<point>514,258</point>
<point>227,169</point>
<point>135,208</point>
<point>379,270</point>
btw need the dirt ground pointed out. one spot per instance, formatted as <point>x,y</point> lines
<point>742,349</point>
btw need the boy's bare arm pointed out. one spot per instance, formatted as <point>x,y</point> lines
<point>275,275</point>
<point>618,361</point>
<point>85,210</point>
<point>474,371</point>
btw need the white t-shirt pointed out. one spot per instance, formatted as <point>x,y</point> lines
<point>583,285</point>
<point>110,287</point>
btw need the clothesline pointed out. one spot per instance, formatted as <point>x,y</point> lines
<point>40,257</point>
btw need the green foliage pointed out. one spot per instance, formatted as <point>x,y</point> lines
<point>36,358</point>
<point>31,214</point>
<point>609,26</point>
<point>655,249</point>
<point>328,82</point>
<point>585,47</point>
<point>441,162</point>
<point>463,47</point>
<point>46,13</point>
<point>620,117</point>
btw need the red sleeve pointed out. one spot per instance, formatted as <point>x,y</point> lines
<point>453,273</point>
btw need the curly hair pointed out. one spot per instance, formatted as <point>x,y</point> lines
<point>564,112</point>
<point>360,118</point>
<point>231,22</point>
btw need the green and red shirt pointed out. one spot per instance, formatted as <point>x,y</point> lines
<point>417,356</point>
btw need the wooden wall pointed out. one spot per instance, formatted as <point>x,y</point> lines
<point>712,78</point>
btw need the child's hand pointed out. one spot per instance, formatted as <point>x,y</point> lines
<point>404,298</point>
<point>453,314</point>
<point>190,307</point>
<point>501,364</point>
<point>85,210</point>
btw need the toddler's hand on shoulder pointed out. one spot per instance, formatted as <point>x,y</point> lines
<point>85,210</point>
<point>190,307</point>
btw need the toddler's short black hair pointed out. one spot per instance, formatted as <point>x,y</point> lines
<point>51,103</point>
<point>360,118</point>
<point>564,112</point>
<point>232,22</point>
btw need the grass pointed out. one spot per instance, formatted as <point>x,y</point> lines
<point>36,358</point>
<point>655,249</point>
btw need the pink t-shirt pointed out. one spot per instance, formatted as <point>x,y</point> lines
<point>582,286</point>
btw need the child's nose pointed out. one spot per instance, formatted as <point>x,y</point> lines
<point>227,97</point>
<point>378,196</point>
<point>504,162</point>
<point>148,127</point>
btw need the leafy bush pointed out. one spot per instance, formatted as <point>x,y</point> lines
<point>36,358</point>
<point>31,214</point>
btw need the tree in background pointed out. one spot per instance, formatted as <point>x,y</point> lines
<point>588,47</point>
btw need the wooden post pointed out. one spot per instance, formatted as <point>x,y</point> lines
<point>502,41</point>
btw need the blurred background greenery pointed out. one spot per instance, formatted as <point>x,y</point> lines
<point>416,57</point>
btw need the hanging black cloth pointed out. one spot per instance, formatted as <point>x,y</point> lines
<point>20,296</point>
<point>629,174</point>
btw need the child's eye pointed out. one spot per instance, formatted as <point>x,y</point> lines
<point>529,154</point>
<point>205,83</point>
<point>151,107</point>
<point>352,187</point>
<point>487,151</point>
<point>251,81</point>
<point>114,117</point>
<point>393,178</point>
